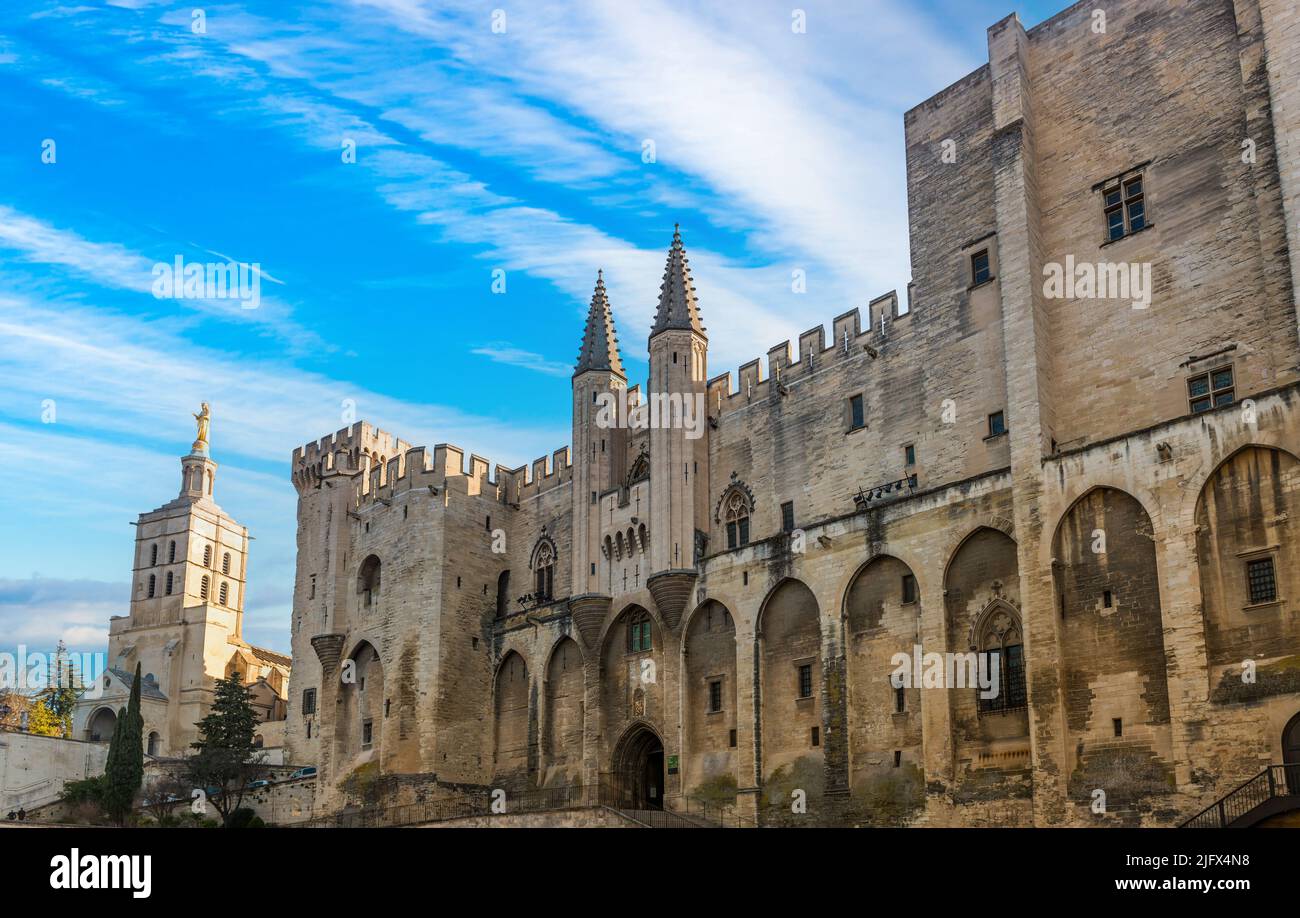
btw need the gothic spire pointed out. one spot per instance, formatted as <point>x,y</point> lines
<point>599,340</point>
<point>678,307</point>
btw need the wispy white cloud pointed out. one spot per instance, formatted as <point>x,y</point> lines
<point>504,352</point>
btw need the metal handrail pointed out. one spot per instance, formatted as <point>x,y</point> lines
<point>1273,781</point>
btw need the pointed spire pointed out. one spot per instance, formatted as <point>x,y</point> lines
<point>599,340</point>
<point>678,307</point>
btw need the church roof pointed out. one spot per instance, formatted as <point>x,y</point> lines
<point>678,307</point>
<point>599,340</point>
<point>148,688</point>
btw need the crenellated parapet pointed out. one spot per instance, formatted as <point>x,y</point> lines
<point>849,338</point>
<point>346,452</point>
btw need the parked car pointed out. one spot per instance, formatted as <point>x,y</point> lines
<point>307,772</point>
<point>254,785</point>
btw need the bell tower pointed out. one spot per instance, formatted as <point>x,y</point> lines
<point>679,448</point>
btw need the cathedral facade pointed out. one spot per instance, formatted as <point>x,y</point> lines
<point>1068,455</point>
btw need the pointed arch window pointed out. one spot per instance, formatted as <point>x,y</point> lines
<point>171,552</point>
<point>1001,650</point>
<point>544,570</point>
<point>736,509</point>
<point>153,555</point>
<point>170,575</point>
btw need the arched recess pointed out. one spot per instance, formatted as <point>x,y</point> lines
<point>562,743</point>
<point>791,696</point>
<point>709,684</point>
<point>503,594</point>
<point>154,743</point>
<point>881,616</point>
<point>1249,564</point>
<point>632,659</point>
<point>512,723</point>
<point>982,576</point>
<point>636,774</point>
<point>359,728</point>
<point>1111,643</point>
<point>100,726</point>
<point>368,586</point>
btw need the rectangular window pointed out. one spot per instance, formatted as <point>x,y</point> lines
<point>1117,724</point>
<point>979,268</point>
<point>909,588</point>
<point>1261,581</point>
<point>787,516</point>
<point>900,700</point>
<point>309,701</point>
<point>744,530</point>
<point>997,424</point>
<point>715,696</point>
<point>731,535</point>
<point>857,415</point>
<point>1125,207</point>
<point>909,455</point>
<point>1210,390</point>
<point>312,593</point>
<point>367,732</point>
<point>816,736</point>
<point>731,739</point>
<point>805,680</point>
<point>898,758</point>
<point>1107,599</point>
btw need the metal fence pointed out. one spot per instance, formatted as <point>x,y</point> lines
<point>1274,781</point>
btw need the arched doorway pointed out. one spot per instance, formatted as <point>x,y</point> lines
<point>1291,754</point>
<point>637,777</point>
<point>102,724</point>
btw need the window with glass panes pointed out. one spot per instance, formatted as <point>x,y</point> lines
<point>1210,390</point>
<point>638,634</point>
<point>1126,208</point>
<point>715,696</point>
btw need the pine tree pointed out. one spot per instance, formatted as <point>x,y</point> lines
<point>61,694</point>
<point>226,759</point>
<point>124,770</point>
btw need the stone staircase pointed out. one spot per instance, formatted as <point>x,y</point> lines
<point>1274,790</point>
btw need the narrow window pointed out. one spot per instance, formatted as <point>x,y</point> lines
<point>787,516</point>
<point>593,568</point>
<point>311,590</point>
<point>169,583</point>
<point>153,584</point>
<point>638,633</point>
<point>487,523</point>
<point>805,680</point>
<point>1210,390</point>
<point>900,700</point>
<point>367,732</point>
<point>309,701</point>
<point>1107,599</point>
<point>857,415</point>
<point>1118,724</point>
<point>909,455</point>
<point>731,739</point>
<point>171,552</point>
<point>1125,208</point>
<point>153,555</point>
<point>207,555</point>
<point>715,696</point>
<point>909,588</point>
<point>744,578</point>
<point>997,424</point>
<point>224,597</point>
<point>225,563</point>
<point>203,588</point>
<point>979,268</point>
<point>816,736</point>
<point>898,758</point>
<point>1261,580</point>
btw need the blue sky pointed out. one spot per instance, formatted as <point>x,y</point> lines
<point>476,150</point>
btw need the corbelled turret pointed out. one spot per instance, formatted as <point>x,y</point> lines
<point>600,341</point>
<point>678,307</point>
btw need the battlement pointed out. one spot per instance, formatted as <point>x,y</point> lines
<point>381,465</point>
<point>848,339</point>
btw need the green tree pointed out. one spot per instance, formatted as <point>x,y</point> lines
<point>60,696</point>
<point>124,770</point>
<point>226,759</point>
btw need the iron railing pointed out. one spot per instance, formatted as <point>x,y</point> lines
<point>1273,781</point>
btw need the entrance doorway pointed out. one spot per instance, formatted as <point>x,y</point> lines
<point>637,779</point>
<point>1291,754</point>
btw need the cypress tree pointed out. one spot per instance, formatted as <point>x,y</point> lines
<point>124,770</point>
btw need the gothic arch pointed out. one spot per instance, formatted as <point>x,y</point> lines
<point>564,710</point>
<point>790,686</point>
<point>996,523</point>
<point>512,721</point>
<point>736,490</point>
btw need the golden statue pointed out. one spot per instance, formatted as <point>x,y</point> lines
<point>204,418</point>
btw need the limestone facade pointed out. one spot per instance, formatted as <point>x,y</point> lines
<point>1096,494</point>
